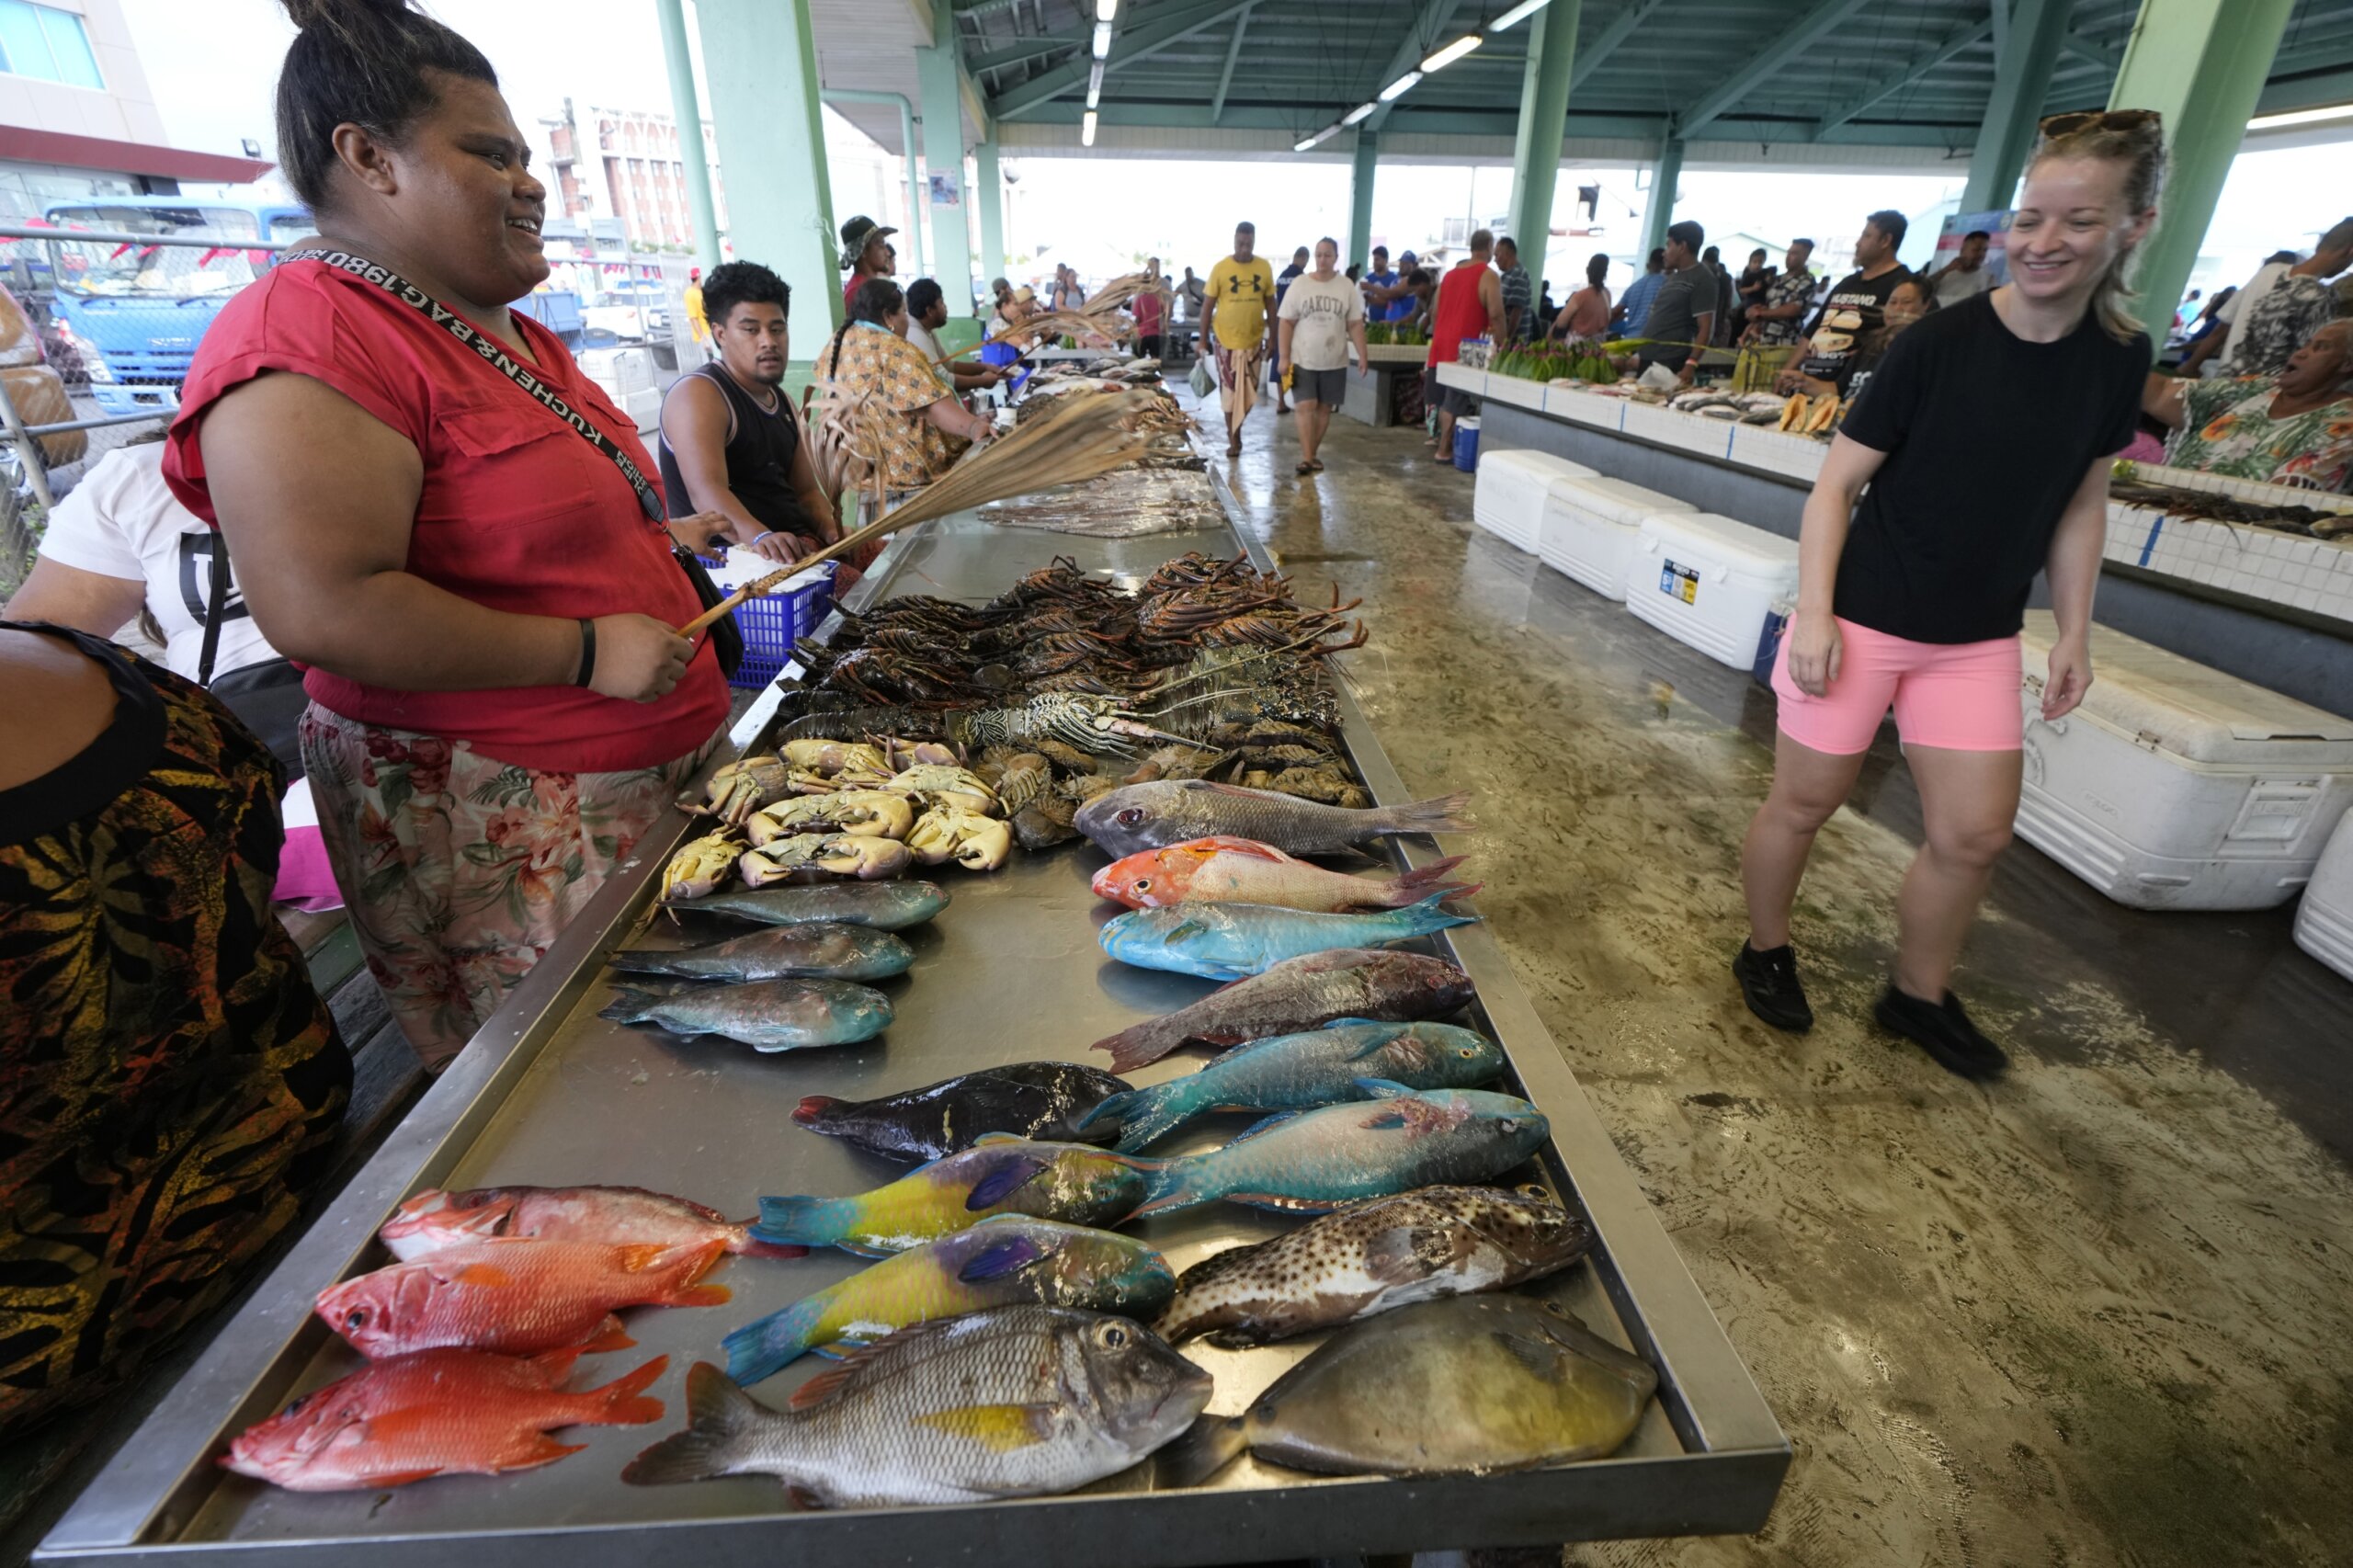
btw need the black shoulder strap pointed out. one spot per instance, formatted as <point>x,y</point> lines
<point>493,353</point>
<point>216,608</point>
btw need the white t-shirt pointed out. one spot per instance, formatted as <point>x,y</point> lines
<point>1957,286</point>
<point>2235,310</point>
<point>123,521</point>
<point>1322,310</point>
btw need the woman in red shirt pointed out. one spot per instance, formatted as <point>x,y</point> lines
<point>499,707</point>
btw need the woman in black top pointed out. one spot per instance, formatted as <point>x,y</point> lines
<point>1985,439</point>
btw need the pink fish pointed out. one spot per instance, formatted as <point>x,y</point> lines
<point>1225,870</point>
<point>435,1219</point>
<point>514,1295</point>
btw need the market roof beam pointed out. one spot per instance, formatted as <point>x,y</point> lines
<point>1590,55</point>
<point>1791,41</point>
<point>1140,42</point>
<point>1411,51</point>
<point>1233,56</point>
<point>1036,47</point>
<point>1919,65</point>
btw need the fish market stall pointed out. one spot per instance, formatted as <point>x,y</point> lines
<point>555,1091</point>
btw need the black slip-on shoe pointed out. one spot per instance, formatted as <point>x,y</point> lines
<point>1769,982</point>
<point>1944,1031</point>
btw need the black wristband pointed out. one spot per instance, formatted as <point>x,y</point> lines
<point>588,652</point>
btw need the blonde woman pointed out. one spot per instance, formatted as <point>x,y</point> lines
<point>1914,596</point>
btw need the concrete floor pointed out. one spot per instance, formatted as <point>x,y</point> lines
<point>2098,1313</point>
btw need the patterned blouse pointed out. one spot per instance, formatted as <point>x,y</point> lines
<point>894,382</point>
<point>2280,322</point>
<point>1786,289</point>
<point>2229,430</point>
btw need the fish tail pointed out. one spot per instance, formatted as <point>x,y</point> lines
<point>1443,814</point>
<point>815,1109</point>
<point>762,1348</point>
<point>629,1005</point>
<point>1424,916</point>
<point>1211,1444</point>
<point>642,960</point>
<point>720,1419</point>
<point>1141,1044</point>
<point>622,1402</point>
<point>1422,879</point>
<point>1169,1187</point>
<point>751,1244</point>
<point>1146,1116</point>
<point>801,1221</point>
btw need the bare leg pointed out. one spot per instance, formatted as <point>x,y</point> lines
<point>1808,785</point>
<point>1969,800</point>
<point>1313,420</point>
<point>1444,431</point>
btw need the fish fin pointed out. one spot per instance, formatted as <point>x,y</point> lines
<point>864,1249</point>
<point>1427,916</point>
<point>699,1296</point>
<point>1443,814</point>
<point>642,960</point>
<point>1183,931</point>
<point>540,1448</point>
<point>1155,1113</point>
<point>482,1277</point>
<point>609,1337</point>
<point>620,1402</point>
<point>1141,1044</point>
<point>1422,879</point>
<point>692,1259</point>
<point>719,1418</point>
<point>1000,1428</point>
<point>986,1139</point>
<point>765,1346</point>
<point>1379,1045</point>
<point>1265,1124</point>
<point>1005,1179</point>
<point>629,1005</point>
<point>1349,1023</point>
<point>1404,1255</point>
<point>1380,1088</point>
<point>554,1366</point>
<point>757,1245</point>
<point>852,1355</point>
<point>1111,1109</point>
<point>1540,1356</point>
<point>1284,1203</point>
<point>1169,1185</point>
<point>813,1110</point>
<point>1211,1444</point>
<point>799,1220</point>
<point>1010,1257</point>
<point>404,1477</point>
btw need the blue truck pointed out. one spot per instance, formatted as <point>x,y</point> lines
<point>134,313</point>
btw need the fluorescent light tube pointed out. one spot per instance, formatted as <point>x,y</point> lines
<point>2300,117</point>
<point>1452,52</point>
<point>1400,87</point>
<point>1518,14</point>
<point>1095,86</point>
<point>1357,113</point>
<point>1086,130</point>
<point>1323,136</point>
<point>1106,9</point>
<point>1102,41</point>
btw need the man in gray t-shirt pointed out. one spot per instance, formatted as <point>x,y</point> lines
<point>1683,311</point>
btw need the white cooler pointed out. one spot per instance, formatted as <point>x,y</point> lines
<point>1590,526</point>
<point>1508,499</point>
<point>1710,580</point>
<point>2325,920</point>
<point>2175,786</point>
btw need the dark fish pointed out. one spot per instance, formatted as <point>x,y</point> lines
<point>1044,1101</point>
<point>1171,811</point>
<point>767,1015</point>
<point>825,951</point>
<point>1468,1385</point>
<point>1300,993</point>
<point>886,906</point>
<point>1374,1257</point>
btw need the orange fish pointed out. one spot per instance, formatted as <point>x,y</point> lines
<point>512,1294</point>
<point>435,1413</point>
<point>1241,870</point>
<point>434,1220</point>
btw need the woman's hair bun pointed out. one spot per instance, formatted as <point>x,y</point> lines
<point>333,14</point>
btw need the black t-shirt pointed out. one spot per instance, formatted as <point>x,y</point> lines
<point>1847,320</point>
<point>1986,436</point>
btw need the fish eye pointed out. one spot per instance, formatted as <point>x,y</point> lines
<point>1466,1051</point>
<point>1129,817</point>
<point>1143,884</point>
<point>1112,1336</point>
<point>356,1318</point>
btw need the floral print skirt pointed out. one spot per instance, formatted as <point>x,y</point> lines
<point>461,870</point>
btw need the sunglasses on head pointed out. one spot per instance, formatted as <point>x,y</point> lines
<point>2102,120</point>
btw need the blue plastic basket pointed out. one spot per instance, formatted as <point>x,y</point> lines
<point>772,625</point>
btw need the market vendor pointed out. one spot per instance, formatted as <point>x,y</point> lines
<point>481,588</point>
<point>170,1085</point>
<point>926,314</point>
<point>2292,428</point>
<point>865,254</point>
<point>893,392</point>
<point>1907,303</point>
<point>731,446</point>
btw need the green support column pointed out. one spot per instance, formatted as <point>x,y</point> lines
<point>988,183</point>
<point>1360,198</point>
<point>1543,117</point>
<point>2202,63</point>
<point>2021,84</point>
<point>762,65</point>
<point>943,155</point>
<point>1661,212</point>
<point>686,109</point>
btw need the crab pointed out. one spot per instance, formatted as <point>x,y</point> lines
<point>830,757</point>
<point>950,832</point>
<point>941,786</point>
<point>737,789</point>
<point>870,814</point>
<point>814,856</point>
<point>699,866</point>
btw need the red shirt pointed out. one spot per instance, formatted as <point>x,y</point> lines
<point>517,513</point>
<point>1458,314</point>
<point>1147,312</point>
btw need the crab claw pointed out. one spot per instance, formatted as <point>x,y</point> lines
<point>869,859</point>
<point>699,866</point>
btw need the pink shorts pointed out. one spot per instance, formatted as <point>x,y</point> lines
<point>1956,696</point>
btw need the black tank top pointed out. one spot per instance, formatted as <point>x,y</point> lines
<point>759,457</point>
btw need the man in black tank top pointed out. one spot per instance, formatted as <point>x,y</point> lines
<point>731,444</point>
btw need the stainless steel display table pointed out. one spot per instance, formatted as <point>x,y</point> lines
<point>549,1093</point>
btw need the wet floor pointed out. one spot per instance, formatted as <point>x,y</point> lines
<point>2098,1313</point>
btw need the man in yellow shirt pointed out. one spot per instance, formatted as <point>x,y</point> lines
<point>1242,318</point>
<point>698,324</point>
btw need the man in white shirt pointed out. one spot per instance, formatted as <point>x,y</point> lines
<point>926,314</point>
<point>1321,311</point>
<point>1965,276</point>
